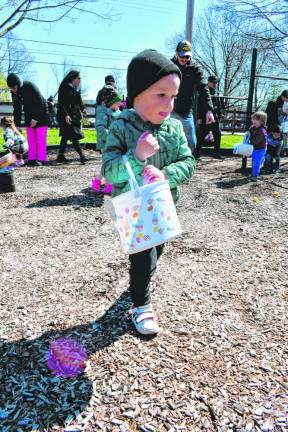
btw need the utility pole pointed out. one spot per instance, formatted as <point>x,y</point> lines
<point>189,20</point>
<point>251,88</point>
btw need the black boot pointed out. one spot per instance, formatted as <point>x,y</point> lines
<point>61,158</point>
<point>77,147</point>
<point>217,155</point>
<point>277,166</point>
<point>83,159</point>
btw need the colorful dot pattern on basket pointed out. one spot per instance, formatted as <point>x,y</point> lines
<point>158,219</point>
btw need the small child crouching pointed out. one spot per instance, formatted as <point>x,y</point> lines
<point>274,140</point>
<point>14,141</point>
<point>106,113</point>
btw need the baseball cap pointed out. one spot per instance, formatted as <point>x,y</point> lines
<point>184,48</point>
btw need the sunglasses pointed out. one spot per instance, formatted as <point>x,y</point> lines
<point>186,57</point>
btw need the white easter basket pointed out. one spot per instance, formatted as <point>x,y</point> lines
<point>145,216</point>
<point>244,148</point>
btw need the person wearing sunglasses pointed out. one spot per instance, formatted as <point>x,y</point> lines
<point>192,83</point>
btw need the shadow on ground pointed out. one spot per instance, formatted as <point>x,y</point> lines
<point>230,184</point>
<point>87,199</point>
<point>31,395</point>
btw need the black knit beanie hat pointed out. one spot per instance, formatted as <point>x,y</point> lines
<point>13,80</point>
<point>145,69</point>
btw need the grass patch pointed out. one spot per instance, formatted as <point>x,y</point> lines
<point>227,141</point>
<point>54,139</point>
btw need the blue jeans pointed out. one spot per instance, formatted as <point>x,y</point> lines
<point>257,159</point>
<point>189,128</point>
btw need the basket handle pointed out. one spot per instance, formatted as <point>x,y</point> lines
<point>246,138</point>
<point>132,180</point>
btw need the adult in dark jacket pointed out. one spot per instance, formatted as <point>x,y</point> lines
<point>192,84</point>
<point>52,112</point>
<point>70,114</point>
<point>109,80</point>
<point>27,97</point>
<point>274,109</point>
<point>202,128</point>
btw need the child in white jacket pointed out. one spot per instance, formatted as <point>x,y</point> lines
<point>14,141</point>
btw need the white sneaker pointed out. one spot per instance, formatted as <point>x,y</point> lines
<point>144,319</point>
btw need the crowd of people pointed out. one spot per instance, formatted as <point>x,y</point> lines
<point>157,134</point>
<point>197,105</point>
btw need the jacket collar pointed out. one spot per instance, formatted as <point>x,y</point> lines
<point>132,117</point>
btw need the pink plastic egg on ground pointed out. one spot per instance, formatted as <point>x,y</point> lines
<point>66,358</point>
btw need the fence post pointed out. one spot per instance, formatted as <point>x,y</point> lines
<point>233,121</point>
<point>251,88</point>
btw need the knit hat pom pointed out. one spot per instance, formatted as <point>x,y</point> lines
<point>145,69</point>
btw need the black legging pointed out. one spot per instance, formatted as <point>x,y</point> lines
<point>142,267</point>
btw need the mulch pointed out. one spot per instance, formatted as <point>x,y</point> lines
<point>220,293</point>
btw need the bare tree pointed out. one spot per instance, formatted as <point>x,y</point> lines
<point>226,52</point>
<point>120,80</point>
<point>15,57</point>
<point>271,20</point>
<point>15,12</point>
<point>4,91</point>
<point>59,71</point>
<point>271,14</point>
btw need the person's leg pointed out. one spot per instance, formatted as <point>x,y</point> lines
<point>41,137</point>
<point>268,165</point>
<point>189,129</point>
<point>142,267</point>
<point>77,147</point>
<point>32,144</point>
<point>277,158</point>
<point>61,150</point>
<point>201,133</point>
<point>244,163</point>
<point>217,139</point>
<point>257,158</point>
<point>285,144</point>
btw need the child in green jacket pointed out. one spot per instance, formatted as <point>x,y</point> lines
<point>157,149</point>
<point>106,113</point>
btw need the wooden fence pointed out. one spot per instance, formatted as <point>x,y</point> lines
<point>233,120</point>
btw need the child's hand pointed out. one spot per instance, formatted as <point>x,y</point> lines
<point>210,117</point>
<point>147,145</point>
<point>152,174</point>
<point>33,123</point>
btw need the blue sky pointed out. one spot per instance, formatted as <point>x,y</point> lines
<point>138,25</point>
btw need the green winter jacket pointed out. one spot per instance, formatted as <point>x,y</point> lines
<point>174,157</point>
<point>103,118</point>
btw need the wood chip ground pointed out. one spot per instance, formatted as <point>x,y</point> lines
<point>220,362</point>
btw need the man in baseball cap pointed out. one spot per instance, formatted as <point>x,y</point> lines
<point>192,82</point>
